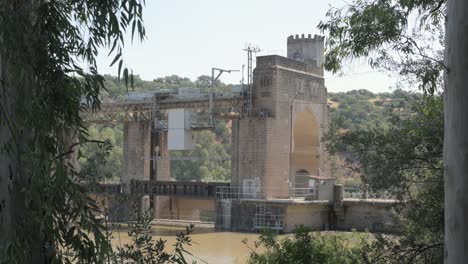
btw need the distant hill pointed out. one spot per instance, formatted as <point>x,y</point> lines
<point>364,109</point>
<point>351,110</point>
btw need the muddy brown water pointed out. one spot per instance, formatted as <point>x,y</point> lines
<point>208,246</point>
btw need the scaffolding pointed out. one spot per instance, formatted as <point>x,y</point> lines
<point>247,209</point>
<point>248,99</point>
<point>227,192</point>
<point>266,218</point>
<point>249,215</point>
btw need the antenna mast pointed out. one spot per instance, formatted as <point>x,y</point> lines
<point>250,49</point>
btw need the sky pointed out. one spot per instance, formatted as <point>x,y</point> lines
<point>189,37</point>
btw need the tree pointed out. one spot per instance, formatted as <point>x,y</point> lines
<point>456,129</point>
<point>403,36</point>
<point>44,215</point>
<point>405,161</point>
<point>144,249</point>
<point>371,28</point>
<point>304,247</point>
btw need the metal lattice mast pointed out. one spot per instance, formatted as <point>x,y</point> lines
<point>249,98</point>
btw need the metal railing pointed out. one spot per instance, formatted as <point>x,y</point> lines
<point>187,215</point>
<point>364,192</point>
<point>304,192</point>
<point>271,221</point>
<point>227,192</point>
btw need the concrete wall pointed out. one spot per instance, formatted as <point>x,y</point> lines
<point>136,163</point>
<point>243,214</point>
<point>248,215</point>
<point>164,164</point>
<point>282,89</point>
<point>306,48</point>
<point>137,151</point>
<point>313,215</point>
<point>325,190</point>
<point>373,215</point>
<point>179,208</point>
<point>163,173</point>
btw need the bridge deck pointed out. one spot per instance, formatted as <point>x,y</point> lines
<point>202,190</point>
<point>170,103</point>
<point>116,112</point>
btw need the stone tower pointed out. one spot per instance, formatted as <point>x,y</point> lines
<point>306,49</point>
<point>290,115</point>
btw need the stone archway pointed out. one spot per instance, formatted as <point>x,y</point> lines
<point>305,156</point>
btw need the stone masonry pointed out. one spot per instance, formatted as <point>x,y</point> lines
<point>270,146</point>
<point>136,165</point>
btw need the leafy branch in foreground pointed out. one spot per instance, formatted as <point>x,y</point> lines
<point>304,247</point>
<point>144,249</point>
<point>45,216</point>
<point>404,160</point>
<point>403,36</point>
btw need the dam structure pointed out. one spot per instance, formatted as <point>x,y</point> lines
<point>280,169</point>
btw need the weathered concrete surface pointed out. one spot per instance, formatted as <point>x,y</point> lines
<point>162,172</point>
<point>289,117</point>
<point>136,165</point>
<point>372,215</point>
<point>315,216</point>
<point>283,135</point>
<point>189,209</point>
<point>281,139</point>
<point>308,49</point>
<point>136,149</point>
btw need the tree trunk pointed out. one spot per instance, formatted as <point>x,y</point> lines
<point>15,170</point>
<point>12,202</point>
<point>456,133</point>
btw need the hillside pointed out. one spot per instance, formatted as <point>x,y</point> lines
<point>350,110</point>
<point>364,109</point>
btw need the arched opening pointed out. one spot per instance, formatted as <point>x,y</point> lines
<point>305,160</point>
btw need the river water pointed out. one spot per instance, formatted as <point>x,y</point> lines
<point>208,246</point>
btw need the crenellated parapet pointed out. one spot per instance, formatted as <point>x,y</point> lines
<point>307,49</point>
<point>296,38</point>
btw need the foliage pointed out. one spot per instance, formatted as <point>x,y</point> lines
<point>210,160</point>
<point>358,109</point>
<point>115,90</point>
<point>405,36</point>
<point>361,109</point>
<point>406,161</point>
<point>108,155</point>
<point>44,88</point>
<point>144,249</point>
<point>304,247</point>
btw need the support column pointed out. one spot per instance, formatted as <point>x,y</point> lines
<point>161,172</point>
<point>136,164</point>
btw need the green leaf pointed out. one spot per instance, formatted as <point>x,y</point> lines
<point>125,74</point>
<point>116,58</point>
<point>131,81</point>
<point>133,28</point>
<point>120,69</point>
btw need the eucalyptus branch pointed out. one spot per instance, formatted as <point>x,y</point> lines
<point>70,148</point>
<point>438,7</point>
<point>420,53</point>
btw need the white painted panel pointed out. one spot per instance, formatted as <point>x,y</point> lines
<point>176,119</point>
<point>176,139</point>
<point>180,136</point>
